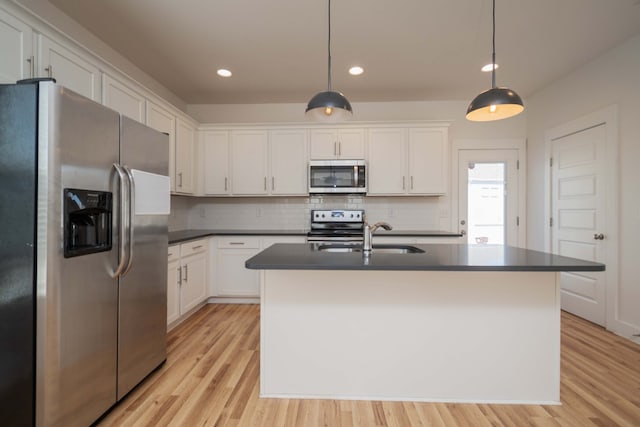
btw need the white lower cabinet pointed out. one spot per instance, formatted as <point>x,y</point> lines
<point>231,278</point>
<point>187,277</point>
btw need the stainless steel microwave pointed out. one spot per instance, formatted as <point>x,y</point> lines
<point>337,176</point>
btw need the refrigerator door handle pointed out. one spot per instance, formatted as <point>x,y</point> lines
<point>124,219</point>
<point>131,213</point>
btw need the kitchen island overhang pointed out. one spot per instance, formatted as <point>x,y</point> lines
<point>448,325</point>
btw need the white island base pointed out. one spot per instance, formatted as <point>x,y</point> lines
<point>437,336</point>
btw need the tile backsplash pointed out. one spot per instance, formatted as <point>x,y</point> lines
<point>293,213</point>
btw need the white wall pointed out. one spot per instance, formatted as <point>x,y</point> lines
<point>405,213</point>
<point>613,78</point>
<point>368,111</point>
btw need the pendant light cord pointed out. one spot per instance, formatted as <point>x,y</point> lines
<point>493,52</point>
<point>329,51</point>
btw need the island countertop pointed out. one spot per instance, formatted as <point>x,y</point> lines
<point>436,257</point>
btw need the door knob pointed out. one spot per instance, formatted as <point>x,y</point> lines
<point>463,222</point>
<point>463,232</point>
<point>598,236</point>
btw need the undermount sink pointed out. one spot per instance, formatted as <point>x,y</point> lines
<point>377,249</point>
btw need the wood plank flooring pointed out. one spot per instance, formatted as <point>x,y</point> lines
<point>211,378</point>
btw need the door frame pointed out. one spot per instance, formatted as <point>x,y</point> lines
<point>519,144</point>
<point>609,117</point>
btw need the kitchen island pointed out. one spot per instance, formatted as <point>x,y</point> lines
<point>453,323</point>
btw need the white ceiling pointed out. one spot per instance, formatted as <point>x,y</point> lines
<point>410,49</point>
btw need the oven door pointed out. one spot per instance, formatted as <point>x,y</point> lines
<point>337,176</point>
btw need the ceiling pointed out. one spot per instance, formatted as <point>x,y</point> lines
<point>410,49</point>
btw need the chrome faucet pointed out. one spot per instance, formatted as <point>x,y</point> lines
<point>368,234</point>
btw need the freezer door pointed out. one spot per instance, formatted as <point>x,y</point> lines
<point>143,289</point>
<point>17,253</point>
<point>76,296</point>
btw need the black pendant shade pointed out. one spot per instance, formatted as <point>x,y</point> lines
<point>329,106</point>
<point>496,103</point>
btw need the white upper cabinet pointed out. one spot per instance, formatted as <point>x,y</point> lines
<point>408,161</point>
<point>185,148</point>
<point>122,98</point>
<point>16,49</point>
<point>249,162</point>
<point>336,143</point>
<point>162,120</point>
<point>288,162</point>
<point>428,160</point>
<point>68,68</point>
<point>216,162</point>
<point>387,165</point>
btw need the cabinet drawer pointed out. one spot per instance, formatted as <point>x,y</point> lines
<point>194,247</point>
<point>173,253</point>
<point>238,242</point>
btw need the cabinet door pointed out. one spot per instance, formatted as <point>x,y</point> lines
<point>337,144</point>
<point>16,46</point>
<point>249,162</point>
<point>173,288</point>
<point>185,145</point>
<point>351,144</point>
<point>234,280</point>
<point>193,289</point>
<point>288,151</point>
<point>216,162</point>
<point>387,161</point>
<point>122,98</point>
<point>427,161</point>
<point>69,69</point>
<point>324,144</point>
<point>163,121</point>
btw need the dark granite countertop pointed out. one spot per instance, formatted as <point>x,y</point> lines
<point>443,257</point>
<point>185,235</point>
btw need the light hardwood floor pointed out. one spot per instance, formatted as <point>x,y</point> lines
<point>211,378</point>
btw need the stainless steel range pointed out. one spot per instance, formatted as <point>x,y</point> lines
<point>336,226</point>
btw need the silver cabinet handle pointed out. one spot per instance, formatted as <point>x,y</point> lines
<point>403,183</point>
<point>196,247</point>
<point>236,243</point>
<point>598,236</point>
<point>226,180</point>
<point>412,182</point>
<point>132,207</point>
<point>49,70</point>
<point>339,149</point>
<point>31,61</point>
<point>124,220</point>
<point>335,148</point>
<point>186,273</point>
<point>179,275</point>
<point>273,183</point>
<point>180,179</point>
<point>265,183</point>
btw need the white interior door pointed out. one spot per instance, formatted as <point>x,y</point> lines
<point>577,216</point>
<point>488,196</point>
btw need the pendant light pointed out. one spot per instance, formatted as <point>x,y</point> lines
<point>329,106</point>
<point>498,102</point>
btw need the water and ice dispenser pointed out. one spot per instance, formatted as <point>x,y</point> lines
<point>87,221</point>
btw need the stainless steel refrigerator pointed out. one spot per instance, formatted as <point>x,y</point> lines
<point>84,198</point>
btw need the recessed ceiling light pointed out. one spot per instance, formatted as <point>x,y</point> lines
<point>489,67</point>
<point>224,73</point>
<point>356,71</point>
